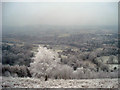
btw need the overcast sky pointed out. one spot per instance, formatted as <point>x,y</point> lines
<point>35,14</point>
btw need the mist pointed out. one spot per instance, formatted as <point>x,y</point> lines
<point>25,14</point>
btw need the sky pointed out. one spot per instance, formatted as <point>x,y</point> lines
<point>21,14</point>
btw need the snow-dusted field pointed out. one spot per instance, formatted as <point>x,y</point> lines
<point>58,83</point>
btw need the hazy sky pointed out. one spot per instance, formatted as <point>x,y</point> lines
<point>26,13</point>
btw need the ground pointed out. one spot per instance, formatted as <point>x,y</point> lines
<point>58,83</point>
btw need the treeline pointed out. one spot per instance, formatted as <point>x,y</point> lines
<point>67,72</point>
<point>51,67</point>
<point>47,63</point>
<point>16,54</point>
<point>76,59</point>
<point>60,72</point>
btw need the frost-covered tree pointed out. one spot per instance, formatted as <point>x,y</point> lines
<point>44,62</point>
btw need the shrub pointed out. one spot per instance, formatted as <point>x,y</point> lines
<point>20,71</point>
<point>62,72</point>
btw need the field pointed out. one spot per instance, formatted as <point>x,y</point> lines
<point>59,83</point>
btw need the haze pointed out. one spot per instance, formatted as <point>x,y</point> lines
<point>35,14</point>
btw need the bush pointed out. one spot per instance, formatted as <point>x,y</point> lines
<point>64,72</point>
<point>20,71</point>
